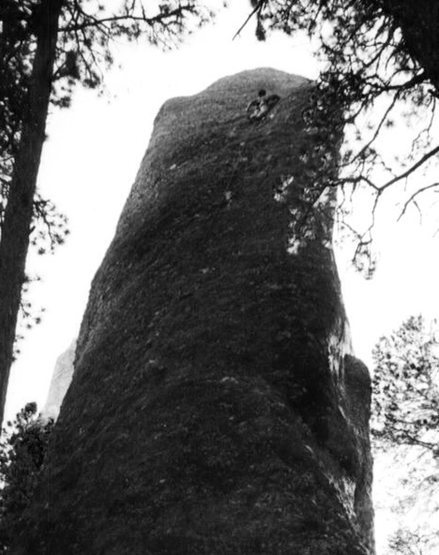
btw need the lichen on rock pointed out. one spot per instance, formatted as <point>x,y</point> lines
<point>214,407</point>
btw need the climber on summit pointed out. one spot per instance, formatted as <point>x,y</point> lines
<point>259,107</point>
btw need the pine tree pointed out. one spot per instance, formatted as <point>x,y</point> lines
<point>380,61</point>
<point>405,417</point>
<point>47,47</point>
<point>22,451</point>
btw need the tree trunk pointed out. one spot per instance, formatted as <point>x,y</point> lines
<point>18,215</point>
<point>418,22</point>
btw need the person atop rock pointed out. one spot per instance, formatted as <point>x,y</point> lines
<point>259,107</point>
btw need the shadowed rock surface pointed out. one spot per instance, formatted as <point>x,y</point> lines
<point>215,406</point>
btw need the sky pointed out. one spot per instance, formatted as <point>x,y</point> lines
<point>90,161</point>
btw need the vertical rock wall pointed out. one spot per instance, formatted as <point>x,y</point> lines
<point>215,407</point>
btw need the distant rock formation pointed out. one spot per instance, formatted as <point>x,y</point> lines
<point>61,378</point>
<point>216,407</point>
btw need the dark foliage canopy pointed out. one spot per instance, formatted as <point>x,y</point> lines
<point>380,61</point>
<point>22,450</point>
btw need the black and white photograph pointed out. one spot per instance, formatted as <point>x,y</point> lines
<point>219,277</point>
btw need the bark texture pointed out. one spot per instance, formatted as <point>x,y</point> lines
<point>215,406</point>
<point>15,229</point>
<point>418,20</point>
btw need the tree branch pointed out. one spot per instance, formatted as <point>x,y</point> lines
<point>256,9</point>
<point>414,195</point>
<point>91,21</point>
<point>412,168</point>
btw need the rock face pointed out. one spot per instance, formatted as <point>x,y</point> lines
<point>61,378</point>
<point>216,407</point>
